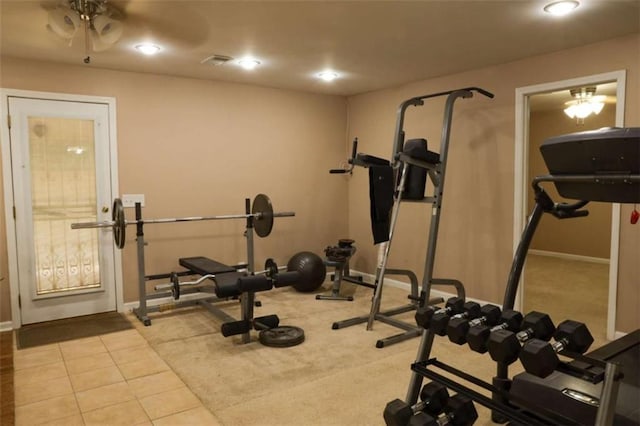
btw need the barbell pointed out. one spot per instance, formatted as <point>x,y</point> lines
<point>262,216</point>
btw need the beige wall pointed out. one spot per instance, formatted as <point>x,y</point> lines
<point>197,147</point>
<point>200,147</point>
<point>476,235</point>
<point>587,236</point>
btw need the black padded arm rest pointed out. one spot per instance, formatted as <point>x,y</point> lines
<point>205,266</point>
<point>365,160</point>
<point>254,283</point>
<point>284,279</point>
<point>227,284</point>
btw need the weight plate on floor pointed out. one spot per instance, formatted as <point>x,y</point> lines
<point>282,337</point>
<point>264,223</point>
<point>119,222</point>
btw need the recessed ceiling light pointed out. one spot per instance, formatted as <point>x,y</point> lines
<point>248,63</point>
<point>148,48</point>
<point>561,8</point>
<point>328,75</point>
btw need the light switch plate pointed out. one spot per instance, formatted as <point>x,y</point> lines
<point>130,200</point>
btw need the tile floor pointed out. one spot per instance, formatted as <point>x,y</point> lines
<point>113,379</point>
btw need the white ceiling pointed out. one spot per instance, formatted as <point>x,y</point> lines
<point>373,44</point>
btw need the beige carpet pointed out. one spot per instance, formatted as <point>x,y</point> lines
<point>336,377</point>
<point>568,289</point>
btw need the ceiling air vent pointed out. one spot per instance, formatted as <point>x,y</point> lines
<point>216,60</point>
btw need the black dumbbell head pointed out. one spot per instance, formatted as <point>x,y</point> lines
<point>538,358</point>
<point>461,411</point>
<point>503,346</point>
<point>472,309</point>
<point>457,330</point>
<point>539,325</point>
<point>454,304</point>
<point>477,338</point>
<point>397,413</point>
<point>575,334</point>
<point>490,313</point>
<point>423,316</point>
<point>435,397</point>
<point>512,319</point>
<point>439,323</point>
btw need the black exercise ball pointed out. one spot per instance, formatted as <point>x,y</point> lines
<point>311,268</point>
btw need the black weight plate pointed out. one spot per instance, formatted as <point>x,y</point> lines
<point>263,224</point>
<point>175,288</point>
<point>119,222</point>
<point>282,337</point>
<point>271,267</point>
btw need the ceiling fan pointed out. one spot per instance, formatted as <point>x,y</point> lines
<point>96,20</point>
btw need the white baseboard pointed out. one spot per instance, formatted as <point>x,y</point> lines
<point>6,326</point>
<point>568,256</point>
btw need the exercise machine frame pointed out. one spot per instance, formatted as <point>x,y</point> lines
<point>400,162</point>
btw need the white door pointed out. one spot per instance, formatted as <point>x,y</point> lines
<point>61,173</point>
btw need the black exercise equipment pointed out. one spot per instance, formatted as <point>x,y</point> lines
<point>417,157</point>
<point>580,399</point>
<point>540,358</point>
<point>433,399</point>
<point>504,345</point>
<point>454,305</point>
<point>478,336</point>
<point>338,257</point>
<point>458,328</point>
<point>601,387</point>
<point>311,269</point>
<point>282,336</point>
<point>218,282</point>
<point>459,411</point>
<point>440,321</point>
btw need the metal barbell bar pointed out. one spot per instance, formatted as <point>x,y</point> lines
<point>261,212</point>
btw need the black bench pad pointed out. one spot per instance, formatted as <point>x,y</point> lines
<point>204,265</point>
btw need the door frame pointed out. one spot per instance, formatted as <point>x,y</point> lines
<point>7,179</point>
<point>521,171</point>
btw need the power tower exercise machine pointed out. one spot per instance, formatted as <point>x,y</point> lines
<point>411,163</point>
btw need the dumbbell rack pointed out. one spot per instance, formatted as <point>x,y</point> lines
<point>598,149</point>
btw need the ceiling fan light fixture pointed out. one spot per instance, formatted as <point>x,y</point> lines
<point>64,22</point>
<point>148,48</point>
<point>108,30</point>
<point>584,103</point>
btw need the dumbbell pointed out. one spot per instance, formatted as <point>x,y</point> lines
<point>458,328</point>
<point>424,314</point>
<point>433,398</point>
<point>439,321</point>
<point>540,358</point>
<point>477,336</point>
<point>459,411</point>
<point>504,345</point>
